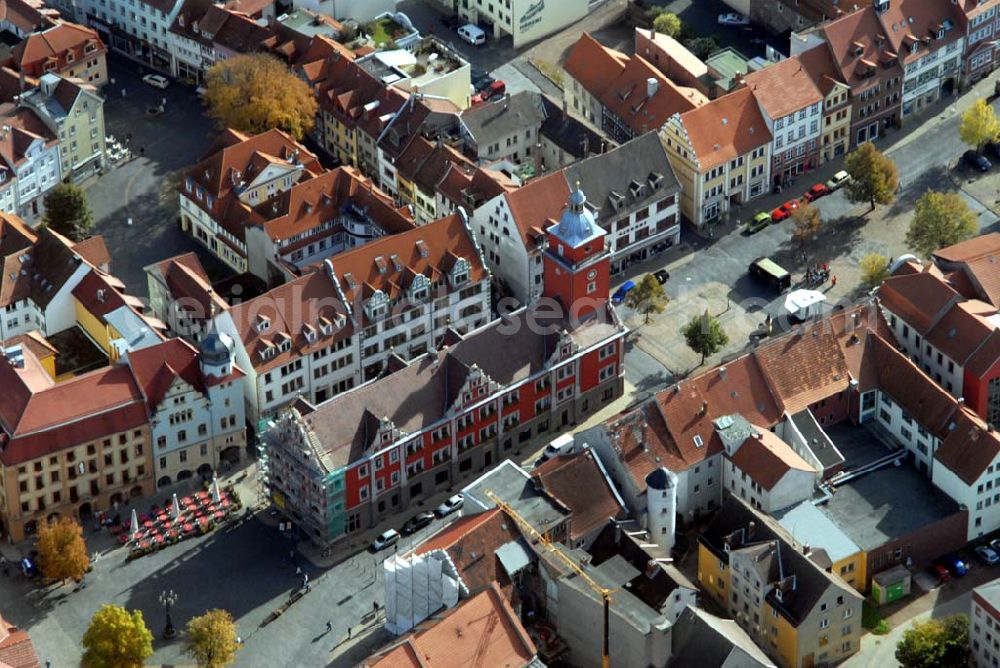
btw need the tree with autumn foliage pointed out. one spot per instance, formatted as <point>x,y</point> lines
<point>117,638</point>
<point>212,640</point>
<point>62,552</point>
<point>256,92</point>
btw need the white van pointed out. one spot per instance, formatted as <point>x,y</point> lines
<point>472,34</point>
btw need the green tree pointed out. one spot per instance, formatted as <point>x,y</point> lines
<point>212,639</point>
<point>62,552</point>
<point>940,219</point>
<point>873,176</point>
<point>874,268</point>
<point>702,47</point>
<point>705,335</point>
<point>668,24</point>
<point>979,125</point>
<point>257,92</point>
<point>648,296</point>
<point>936,643</point>
<point>806,222</point>
<point>116,638</point>
<point>67,211</point>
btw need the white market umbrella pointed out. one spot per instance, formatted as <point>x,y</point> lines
<point>177,507</point>
<point>134,526</point>
<point>802,300</point>
<point>216,492</point>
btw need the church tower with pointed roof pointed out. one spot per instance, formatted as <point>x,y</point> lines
<point>577,269</point>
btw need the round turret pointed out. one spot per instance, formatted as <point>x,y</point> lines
<point>577,223</point>
<point>661,507</point>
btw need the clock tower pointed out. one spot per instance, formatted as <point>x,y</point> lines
<point>577,269</point>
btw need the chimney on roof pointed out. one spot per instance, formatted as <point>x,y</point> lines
<point>751,527</point>
<point>806,550</point>
<point>704,407</point>
<point>652,85</point>
<point>651,569</point>
<point>722,372</point>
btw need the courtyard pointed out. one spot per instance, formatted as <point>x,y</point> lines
<point>135,204</point>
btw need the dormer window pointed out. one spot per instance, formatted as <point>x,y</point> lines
<point>209,201</point>
<point>310,333</point>
<point>69,57</point>
<point>90,48</point>
<point>940,33</point>
<point>263,323</point>
<point>635,188</point>
<point>188,184</point>
<point>914,47</point>
<point>377,306</point>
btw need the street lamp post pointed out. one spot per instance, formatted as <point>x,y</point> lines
<point>167,599</point>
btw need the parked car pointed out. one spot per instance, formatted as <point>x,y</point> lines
<point>941,572</point>
<point>450,505</point>
<point>733,19</point>
<point>156,80</point>
<point>817,191</point>
<point>987,555</point>
<point>784,211</point>
<point>619,296</point>
<point>976,161</point>
<point>758,222</point>
<point>417,522</point>
<point>472,34</point>
<point>838,181</point>
<point>956,566</point>
<point>385,539</point>
<point>494,89</point>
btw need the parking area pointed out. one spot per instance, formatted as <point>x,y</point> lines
<point>135,204</point>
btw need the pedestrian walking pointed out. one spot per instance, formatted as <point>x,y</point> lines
<point>329,626</point>
<point>348,632</point>
<point>833,282</point>
<point>123,92</point>
<point>375,605</point>
<point>298,570</point>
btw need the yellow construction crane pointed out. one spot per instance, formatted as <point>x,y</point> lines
<point>561,557</point>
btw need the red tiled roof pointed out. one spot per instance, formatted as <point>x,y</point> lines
<point>390,263</point>
<point>919,299</point>
<point>94,250</point>
<point>766,459</point>
<point>471,543</point>
<point>859,36</point>
<point>236,158</point>
<point>725,128</point>
<point>312,203</point>
<point>629,99</point>
<point>49,49</point>
<point>979,260</point>
<point>481,631</point>
<point>41,417</point>
<point>784,88</point>
<point>969,448</point>
<point>578,483</point>
<point>289,308</point>
<point>594,65</point>
<point>534,204</point>
<point>16,648</point>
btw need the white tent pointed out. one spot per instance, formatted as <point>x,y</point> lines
<point>800,302</point>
